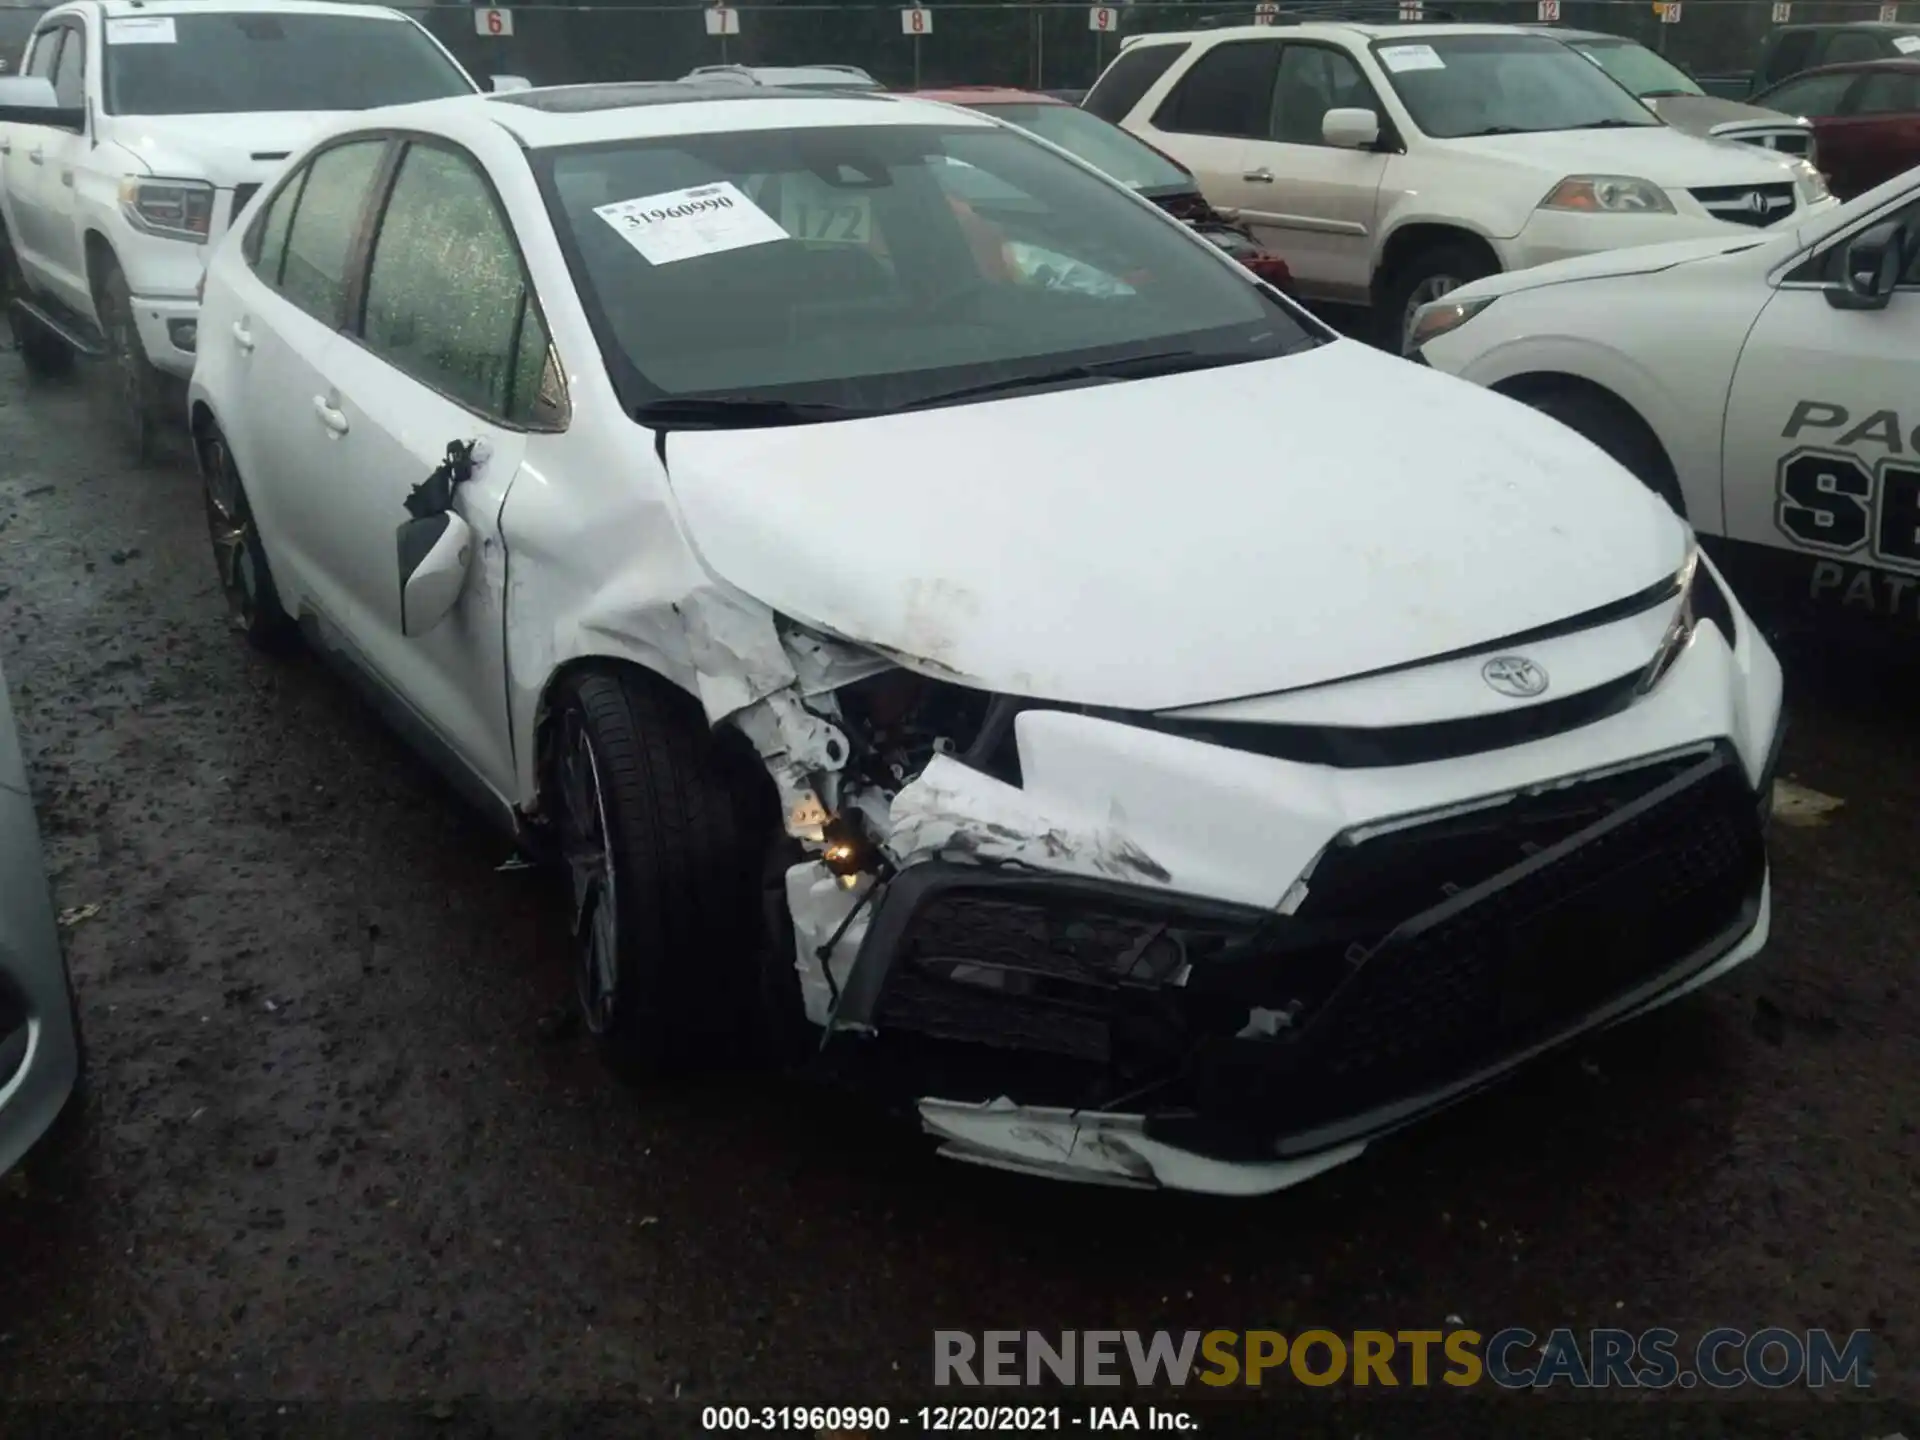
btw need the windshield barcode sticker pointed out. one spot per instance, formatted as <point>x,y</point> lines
<point>681,224</point>
<point>141,30</point>
<point>1402,58</point>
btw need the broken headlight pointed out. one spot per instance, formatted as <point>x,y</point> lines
<point>1701,598</point>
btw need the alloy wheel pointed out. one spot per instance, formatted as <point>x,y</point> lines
<point>1425,293</point>
<point>230,528</point>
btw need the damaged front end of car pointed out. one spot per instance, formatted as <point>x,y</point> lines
<point>981,929</point>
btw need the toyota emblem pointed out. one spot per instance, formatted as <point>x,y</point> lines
<point>1515,676</point>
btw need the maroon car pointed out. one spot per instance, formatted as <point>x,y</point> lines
<point>1148,172</point>
<point>1866,119</point>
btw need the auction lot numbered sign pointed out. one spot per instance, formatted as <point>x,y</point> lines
<point>1782,11</point>
<point>723,20</point>
<point>1549,12</point>
<point>1103,19</point>
<point>1889,14</point>
<point>1668,11</point>
<point>918,21</point>
<point>493,22</point>
<point>1265,13</point>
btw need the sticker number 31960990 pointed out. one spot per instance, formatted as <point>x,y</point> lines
<point>682,224</point>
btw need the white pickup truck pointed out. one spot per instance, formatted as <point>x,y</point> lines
<point>133,135</point>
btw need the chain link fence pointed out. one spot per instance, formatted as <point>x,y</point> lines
<point>1050,45</point>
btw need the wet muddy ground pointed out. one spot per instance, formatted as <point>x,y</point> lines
<point>333,1146</point>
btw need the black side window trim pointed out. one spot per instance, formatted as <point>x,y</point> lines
<point>300,177</point>
<point>366,242</point>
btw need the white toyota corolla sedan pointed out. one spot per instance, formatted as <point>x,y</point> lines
<point>942,611</point>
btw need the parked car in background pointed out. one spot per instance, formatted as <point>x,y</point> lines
<point>1148,172</point>
<point>789,77</point>
<point>1390,163</point>
<point>40,1050</point>
<point>1866,117</point>
<point>1786,50</point>
<point>979,641</point>
<point>1676,97</point>
<point>1768,389</point>
<point>137,133</point>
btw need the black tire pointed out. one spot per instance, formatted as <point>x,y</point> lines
<point>1615,428</point>
<point>139,393</point>
<point>239,559</point>
<point>664,863</point>
<point>44,353</point>
<point>1425,276</point>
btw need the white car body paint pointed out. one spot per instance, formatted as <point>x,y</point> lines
<point>1332,212</point>
<point>1714,345</point>
<point>1247,544</point>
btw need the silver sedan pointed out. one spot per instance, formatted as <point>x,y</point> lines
<point>39,1033</point>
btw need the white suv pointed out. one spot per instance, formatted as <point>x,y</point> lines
<point>135,133</point>
<point>1390,163</point>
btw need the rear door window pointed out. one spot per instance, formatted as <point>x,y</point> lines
<point>319,242</point>
<point>1229,91</point>
<point>1116,93</point>
<point>1886,92</point>
<point>1812,95</point>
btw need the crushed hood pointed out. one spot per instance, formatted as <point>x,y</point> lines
<point>1158,543</point>
<point>219,148</point>
<point>1670,158</point>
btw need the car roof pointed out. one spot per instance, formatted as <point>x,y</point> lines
<point>987,95</point>
<point>117,9</point>
<point>588,114</point>
<point>1564,32</point>
<point>1885,27</point>
<point>1410,31</point>
<point>1900,65</point>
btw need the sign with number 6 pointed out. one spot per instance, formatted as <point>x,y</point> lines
<point>493,22</point>
<point>916,22</point>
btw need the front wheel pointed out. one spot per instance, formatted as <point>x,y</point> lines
<point>1425,277</point>
<point>1613,426</point>
<point>139,389</point>
<point>664,871</point>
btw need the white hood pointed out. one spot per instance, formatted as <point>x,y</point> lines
<point>1159,543</point>
<point>218,148</point>
<point>1670,158</point>
<point>1634,260</point>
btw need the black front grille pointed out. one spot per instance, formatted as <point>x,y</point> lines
<point>1508,959</point>
<point>1747,204</point>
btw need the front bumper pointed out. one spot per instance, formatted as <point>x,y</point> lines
<point>169,331</point>
<point>1129,1003</point>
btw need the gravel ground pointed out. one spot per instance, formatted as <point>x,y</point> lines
<point>335,1148</point>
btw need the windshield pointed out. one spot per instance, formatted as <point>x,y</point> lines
<point>1638,68</point>
<point>876,267</point>
<point>238,63</point>
<point>1460,85</point>
<point>1106,147</point>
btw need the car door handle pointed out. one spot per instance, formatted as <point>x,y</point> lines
<point>38,157</point>
<point>66,178</point>
<point>331,416</point>
<point>242,336</point>
<point>1262,176</point>
<point>6,147</point>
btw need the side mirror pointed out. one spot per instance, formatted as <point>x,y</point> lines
<point>1870,268</point>
<point>29,100</point>
<point>434,553</point>
<point>1350,129</point>
<point>505,83</point>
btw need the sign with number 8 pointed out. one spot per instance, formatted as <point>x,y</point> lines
<point>916,22</point>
